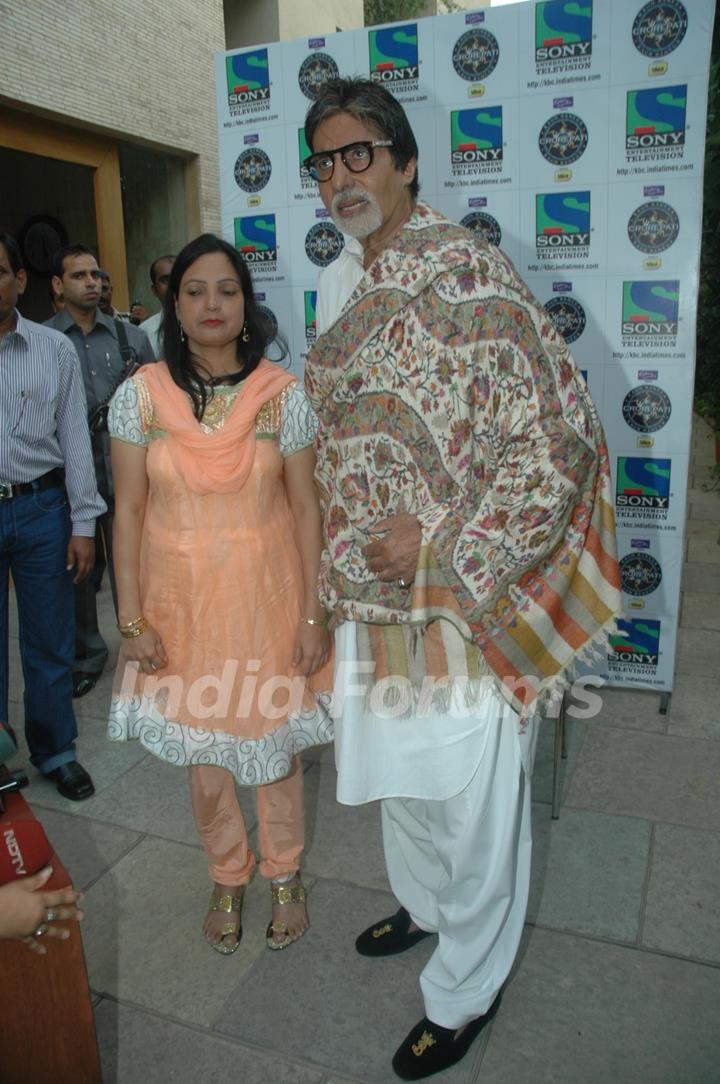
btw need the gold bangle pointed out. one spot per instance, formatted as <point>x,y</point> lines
<point>137,629</point>
<point>311,621</point>
<point>131,624</point>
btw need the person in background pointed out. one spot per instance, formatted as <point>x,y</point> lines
<point>470,552</point>
<point>107,349</point>
<point>49,504</point>
<point>217,542</point>
<point>105,304</point>
<point>159,279</point>
<point>137,312</point>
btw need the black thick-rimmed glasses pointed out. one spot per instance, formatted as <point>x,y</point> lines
<point>357,157</point>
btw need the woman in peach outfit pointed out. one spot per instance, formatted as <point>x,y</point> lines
<point>218,538</point>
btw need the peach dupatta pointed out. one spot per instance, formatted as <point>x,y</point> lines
<point>217,462</point>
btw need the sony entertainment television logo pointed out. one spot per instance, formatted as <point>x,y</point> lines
<point>655,123</point>
<point>256,239</point>
<point>310,316</point>
<point>248,82</point>
<point>476,141</point>
<point>563,36</point>
<point>650,312</point>
<point>307,184</point>
<point>635,647</point>
<point>394,56</point>
<point>642,488</point>
<point>562,224</point>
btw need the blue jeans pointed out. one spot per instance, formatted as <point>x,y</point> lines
<point>34,534</point>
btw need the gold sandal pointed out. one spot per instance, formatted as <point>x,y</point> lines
<point>284,893</point>
<point>229,904</point>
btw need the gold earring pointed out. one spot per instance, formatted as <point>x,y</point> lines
<point>245,336</point>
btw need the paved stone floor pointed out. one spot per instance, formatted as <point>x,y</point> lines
<point>618,978</point>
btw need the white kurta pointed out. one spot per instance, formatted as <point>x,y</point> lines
<point>456,790</point>
<point>377,756</point>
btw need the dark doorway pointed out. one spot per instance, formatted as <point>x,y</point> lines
<point>59,197</point>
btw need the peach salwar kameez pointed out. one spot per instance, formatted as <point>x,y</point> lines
<point>221,582</point>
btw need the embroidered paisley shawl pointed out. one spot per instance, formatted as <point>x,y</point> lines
<point>443,390</point>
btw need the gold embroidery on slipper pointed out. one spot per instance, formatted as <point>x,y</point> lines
<point>426,1040</point>
<point>387,928</point>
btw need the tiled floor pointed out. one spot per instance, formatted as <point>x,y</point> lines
<point>618,978</point>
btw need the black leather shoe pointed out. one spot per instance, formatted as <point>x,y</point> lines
<point>429,1048</point>
<point>83,684</point>
<point>389,936</point>
<point>73,781</point>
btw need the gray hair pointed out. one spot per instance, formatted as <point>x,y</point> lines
<point>373,105</point>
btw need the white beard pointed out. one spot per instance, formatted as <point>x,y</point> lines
<point>361,224</point>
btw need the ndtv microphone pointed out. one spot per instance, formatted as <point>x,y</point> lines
<point>24,847</point>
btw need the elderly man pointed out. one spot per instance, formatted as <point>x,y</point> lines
<point>107,348</point>
<point>48,507</point>
<point>470,552</point>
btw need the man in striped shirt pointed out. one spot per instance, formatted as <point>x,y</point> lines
<point>48,506</point>
<point>106,348</point>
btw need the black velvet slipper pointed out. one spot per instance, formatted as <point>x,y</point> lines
<point>429,1048</point>
<point>389,936</point>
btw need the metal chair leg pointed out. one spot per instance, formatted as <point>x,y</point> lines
<point>559,751</point>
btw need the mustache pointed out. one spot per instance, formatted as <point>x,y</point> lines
<point>349,195</point>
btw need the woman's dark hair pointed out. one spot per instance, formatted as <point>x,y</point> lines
<point>371,104</point>
<point>184,367</point>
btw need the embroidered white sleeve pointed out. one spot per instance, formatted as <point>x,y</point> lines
<point>124,421</point>
<point>299,424</point>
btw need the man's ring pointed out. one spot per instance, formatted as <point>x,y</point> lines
<point>42,929</point>
<point>49,915</point>
<point>402,582</point>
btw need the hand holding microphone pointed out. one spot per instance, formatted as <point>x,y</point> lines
<point>27,913</point>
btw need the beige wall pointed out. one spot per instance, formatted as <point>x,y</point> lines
<point>250,22</point>
<point>301,20</point>
<point>254,22</point>
<point>135,71</point>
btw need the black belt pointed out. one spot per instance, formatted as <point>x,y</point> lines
<point>45,481</point>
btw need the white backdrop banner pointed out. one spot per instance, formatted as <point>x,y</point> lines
<point>570,133</point>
